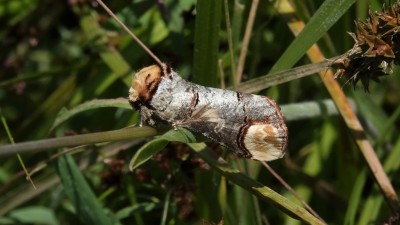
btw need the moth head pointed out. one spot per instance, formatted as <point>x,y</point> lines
<point>144,84</point>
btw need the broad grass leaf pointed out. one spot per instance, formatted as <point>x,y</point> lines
<point>158,144</point>
<point>206,42</point>
<point>146,152</point>
<point>34,215</point>
<point>323,19</point>
<point>87,206</point>
<point>137,208</point>
<point>66,114</point>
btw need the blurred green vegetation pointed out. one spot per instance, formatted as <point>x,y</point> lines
<point>56,55</point>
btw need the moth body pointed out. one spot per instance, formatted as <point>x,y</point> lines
<point>250,125</point>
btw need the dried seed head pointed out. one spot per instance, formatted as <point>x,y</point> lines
<point>376,49</point>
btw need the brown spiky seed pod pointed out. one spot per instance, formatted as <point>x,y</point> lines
<point>375,50</point>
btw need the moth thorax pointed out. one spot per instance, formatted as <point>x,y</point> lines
<point>145,83</point>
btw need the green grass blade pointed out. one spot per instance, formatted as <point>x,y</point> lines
<point>206,42</point>
<point>158,144</point>
<point>64,114</point>
<point>323,19</point>
<point>181,135</point>
<point>76,140</point>
<point>354,202</point>
<point>35,215</point>
<point>88,208</point>
<point>270,80</point>
<point>10,137</point>
<point>137,208</point>
<point>145,153</point>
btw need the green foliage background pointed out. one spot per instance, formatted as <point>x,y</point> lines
<point>57,55</point>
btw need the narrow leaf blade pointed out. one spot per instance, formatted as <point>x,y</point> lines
<point>87,206</point>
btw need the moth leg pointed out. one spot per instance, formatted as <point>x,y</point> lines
<point>174,126</point>
<point>141,120</point>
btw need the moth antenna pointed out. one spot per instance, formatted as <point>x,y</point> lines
<point>129,32</point>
